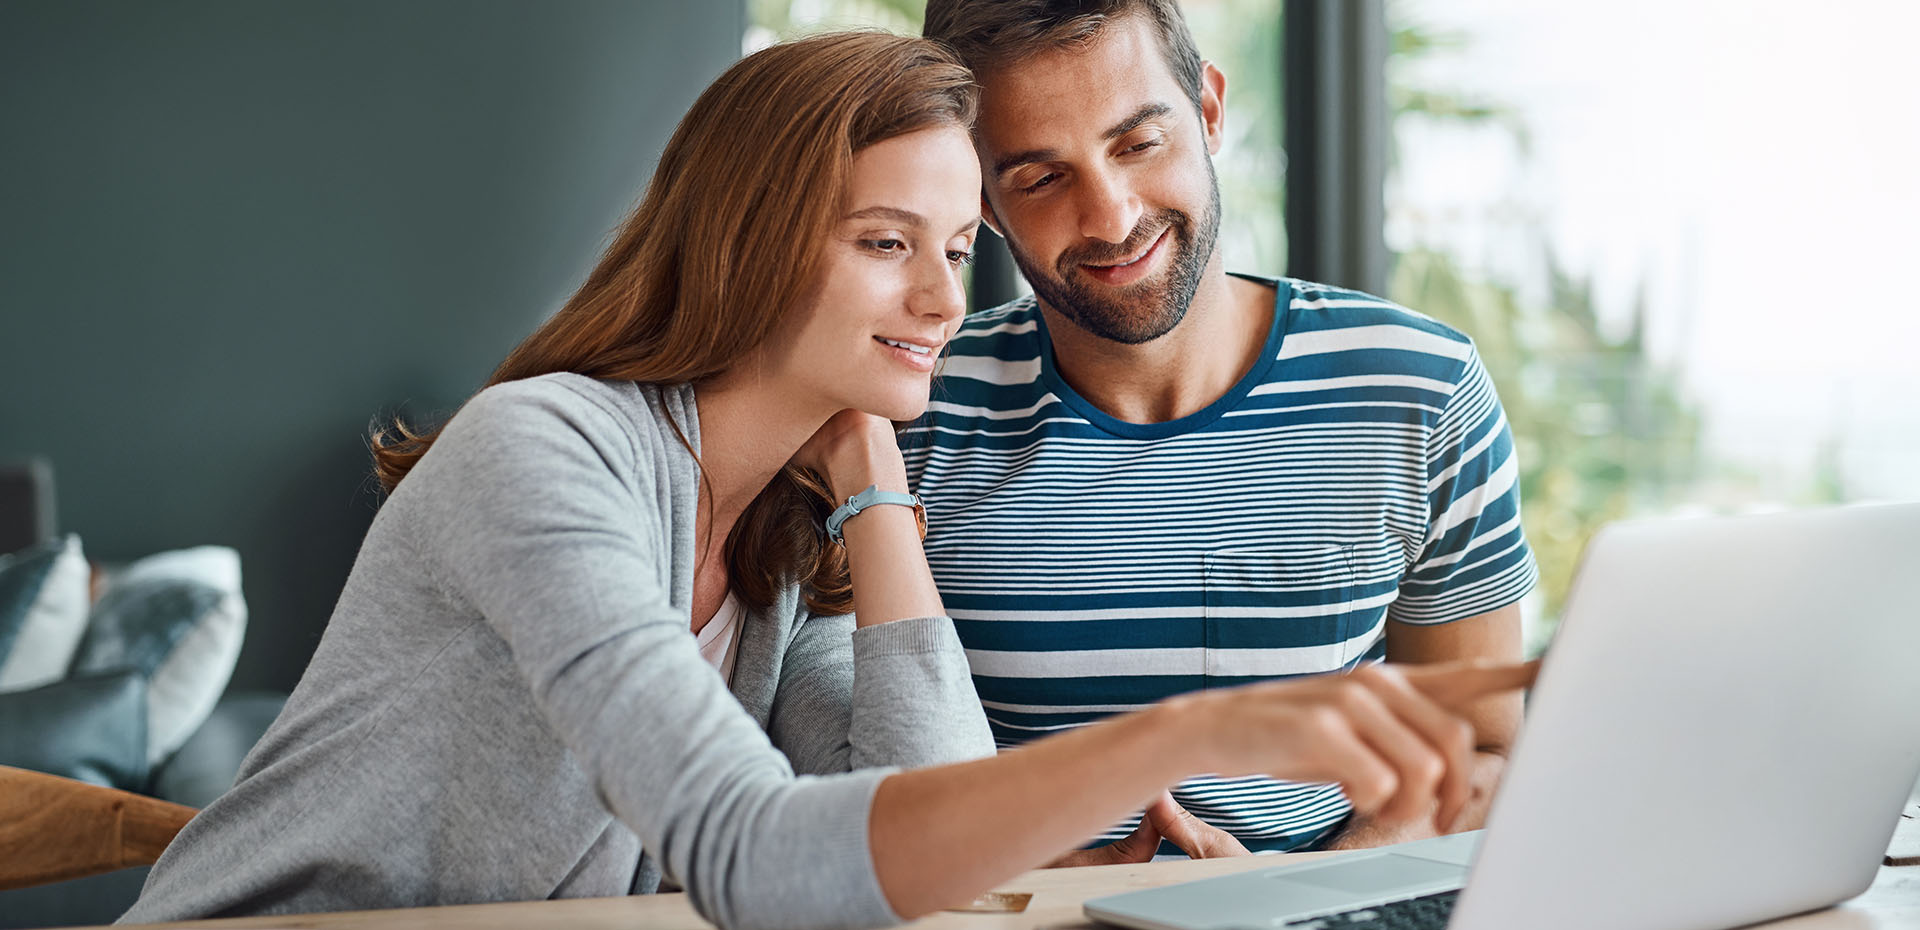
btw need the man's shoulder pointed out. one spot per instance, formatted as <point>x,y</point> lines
<point>1010,331</point>
<point>1339,332</point>
<point>994,358</point>
<point>1319,307</point>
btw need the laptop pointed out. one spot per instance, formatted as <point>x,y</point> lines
<point>1724,732</point>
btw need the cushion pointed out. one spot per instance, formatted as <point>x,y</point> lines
<point>178,617</point>
<point>43,612</point>
<point>91,728</point>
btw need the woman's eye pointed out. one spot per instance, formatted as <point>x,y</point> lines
<point>887,246</point>
<point>960,256</point>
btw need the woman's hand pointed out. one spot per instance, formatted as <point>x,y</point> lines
<point>884,560</point>
<point>1392,737</point>
<point>853,450</point>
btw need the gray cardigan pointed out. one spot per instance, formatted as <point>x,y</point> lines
<point>508,705</point>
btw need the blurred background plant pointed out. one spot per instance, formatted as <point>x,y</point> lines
<point>1602,430</point>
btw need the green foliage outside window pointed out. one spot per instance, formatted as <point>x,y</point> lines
<point>1602,430</point>
<point>787,19</point>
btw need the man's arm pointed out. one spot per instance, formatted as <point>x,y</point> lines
<point>1496,721</point>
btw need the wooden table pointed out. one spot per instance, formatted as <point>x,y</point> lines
<point>1893,901</point>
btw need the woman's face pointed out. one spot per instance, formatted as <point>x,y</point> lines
<point>889,295</point>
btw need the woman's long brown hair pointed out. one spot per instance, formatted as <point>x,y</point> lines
<point>725,243</point>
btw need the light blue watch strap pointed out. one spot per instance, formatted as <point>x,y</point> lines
<point>861,501</point>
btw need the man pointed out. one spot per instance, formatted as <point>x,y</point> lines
<point>1153,476</point>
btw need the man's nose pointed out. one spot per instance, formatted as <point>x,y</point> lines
<point>1109,211</point>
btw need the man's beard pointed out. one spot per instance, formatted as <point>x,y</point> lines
<point>1140,312</point>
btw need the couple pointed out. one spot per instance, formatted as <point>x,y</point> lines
<point>655,605</point>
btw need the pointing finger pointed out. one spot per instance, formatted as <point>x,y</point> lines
<point>1456,685</point>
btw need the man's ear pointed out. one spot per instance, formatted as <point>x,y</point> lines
<point>1213,106</point>
<point>987,217</point>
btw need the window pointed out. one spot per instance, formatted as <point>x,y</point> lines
<point>1678,233</point>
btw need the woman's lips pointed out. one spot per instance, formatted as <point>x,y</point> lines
<point>918,361</point>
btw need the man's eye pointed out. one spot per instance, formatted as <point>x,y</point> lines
<point>960,256</point>
<point>1043,182</point>
<point>1143,146</point>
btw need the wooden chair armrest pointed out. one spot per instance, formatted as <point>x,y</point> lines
<point>53,829</point>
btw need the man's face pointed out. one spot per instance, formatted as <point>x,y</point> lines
<point>1097,169</point>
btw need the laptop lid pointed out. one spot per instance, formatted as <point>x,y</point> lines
<point>1724,731</point>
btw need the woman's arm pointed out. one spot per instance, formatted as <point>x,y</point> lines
<point>532,508</point>
<point>891,580</point>
<point>896,689</point>
<point>898,694</point>
<point>940,834</point>
<point>1392,738</point>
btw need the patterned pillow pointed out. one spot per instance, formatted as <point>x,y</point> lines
<point>43,612</point>
<point>179,618</point>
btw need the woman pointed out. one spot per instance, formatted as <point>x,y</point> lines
<point>524,689</point>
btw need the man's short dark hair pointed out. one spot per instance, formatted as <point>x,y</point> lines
<point>992,33</point>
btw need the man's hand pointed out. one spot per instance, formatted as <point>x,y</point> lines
<point>1195,837</point>
<point>1137,846</point>
<point>1165,819</point>
<point>1370,832</point>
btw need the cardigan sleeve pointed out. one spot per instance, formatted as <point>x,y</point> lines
<point>894,694</point>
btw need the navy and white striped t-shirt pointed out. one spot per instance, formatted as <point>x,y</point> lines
<point>1363,470</point>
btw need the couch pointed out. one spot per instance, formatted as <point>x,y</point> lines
<point>134,699</point>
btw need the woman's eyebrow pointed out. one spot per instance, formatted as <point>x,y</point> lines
<point>905,217</point>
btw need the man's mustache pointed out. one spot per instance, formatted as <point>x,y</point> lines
<point>1107,253</point>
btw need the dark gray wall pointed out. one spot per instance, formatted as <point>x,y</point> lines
<point>231,233</point>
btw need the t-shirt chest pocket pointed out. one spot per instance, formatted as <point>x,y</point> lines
<point>1280,611</point>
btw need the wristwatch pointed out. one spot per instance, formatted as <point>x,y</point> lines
<point>871,497</point>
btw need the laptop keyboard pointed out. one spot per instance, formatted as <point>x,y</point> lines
<point>1428,912</point>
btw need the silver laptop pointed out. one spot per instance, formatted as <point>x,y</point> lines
<point>1725,731</point>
